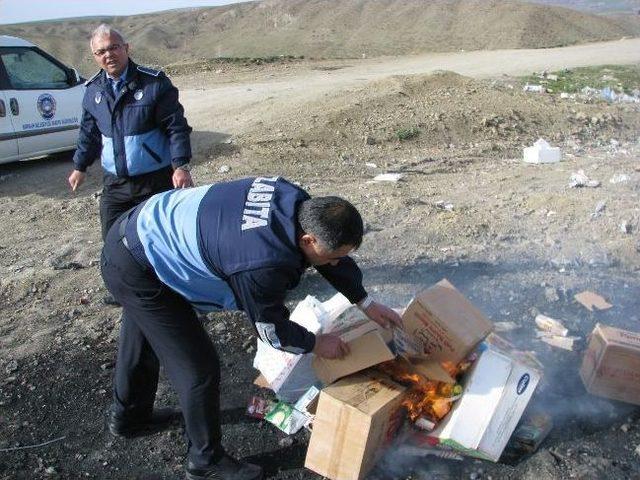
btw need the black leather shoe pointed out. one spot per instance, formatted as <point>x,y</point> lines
<point>160,419</point>
<point>228,468</point>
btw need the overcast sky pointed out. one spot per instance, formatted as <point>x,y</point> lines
<point>15,11</point>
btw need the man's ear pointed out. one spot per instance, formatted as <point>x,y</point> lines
<point>307,239</point>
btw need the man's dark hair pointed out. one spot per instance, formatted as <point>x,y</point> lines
<point>333,220</point>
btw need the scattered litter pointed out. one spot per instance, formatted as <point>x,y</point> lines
<point>505,326</point>
<point>429,451</point>
<point>286,418</point>
<point>620,178</point>
<point>533,88</point>
<point>224,169</point>
<point>600,207</point>
<point>550,325</point>
<point>611,96</point>
<point>259,407</point>
<point>542,152</point>
<point>531,432</point>
<point>308,402</point>
<point>592,300</point>
<point>625,227</point>
<point>611,364</point>
<point>580,179</point>
<point>552,77</point>
<point>566,343</point>
<point>388,177</point>
<point>442,205</point>
<point>371,165</point>
<point>425,424</point>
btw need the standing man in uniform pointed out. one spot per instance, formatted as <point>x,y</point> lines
<point>239,245</point>
<point>132,120</point>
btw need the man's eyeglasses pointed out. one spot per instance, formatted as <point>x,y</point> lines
<point>111,48</point>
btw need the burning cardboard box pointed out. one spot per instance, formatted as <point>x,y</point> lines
<point>611,364</point>
<point>355,418</point>
<point>495,394</point>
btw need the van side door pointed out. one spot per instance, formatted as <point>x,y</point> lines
<point>45,101</point>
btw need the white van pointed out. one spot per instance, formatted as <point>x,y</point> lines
<point>40,102</point>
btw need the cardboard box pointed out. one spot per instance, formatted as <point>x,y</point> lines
<point>443,324</point>
<point>611,364</point>
<point>355,418</point>
<point>367,347</point>
<point>496,392</point>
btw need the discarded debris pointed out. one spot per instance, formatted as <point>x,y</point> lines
<point>531,432</point>
<point>619,178</point>
<point>442,205</point>
<point>580,179</point>
<point>224,169</point>
<point>550,325</point>
<point>542,152</point>
<point>592,300</point>
<point>533,88</point>
<point>388,177</point>
<point>625,227</point>
<point>286,418</point>
<point>259,407</point>
<point>600,207</point>
<point>505,326</point>
<point>566,343</point>
<point>611,364</point>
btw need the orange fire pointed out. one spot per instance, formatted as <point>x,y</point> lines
<point>425,398</point>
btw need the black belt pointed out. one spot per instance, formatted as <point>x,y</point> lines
<point>128,233</point>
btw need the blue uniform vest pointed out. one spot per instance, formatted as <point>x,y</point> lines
<point>195,238</point>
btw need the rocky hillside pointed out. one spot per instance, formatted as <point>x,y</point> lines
<point>329,28</point>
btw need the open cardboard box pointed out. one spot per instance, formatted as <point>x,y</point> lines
<point>439,324</point>
<point>496,392</point>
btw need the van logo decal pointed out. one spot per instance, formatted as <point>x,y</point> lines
<point>523,383</point>
<point>138,95</point>
<point>98,97</point>
<point>46,106</point>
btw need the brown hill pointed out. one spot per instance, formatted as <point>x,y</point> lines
<point>329,28</point>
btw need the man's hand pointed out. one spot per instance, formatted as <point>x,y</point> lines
<point>76,179</point>
<point>330,346</point>
<point>181,178</point>
<point>383,315</point>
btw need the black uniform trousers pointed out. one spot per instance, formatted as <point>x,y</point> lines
<point>159,327</point>
<point>119,194</point>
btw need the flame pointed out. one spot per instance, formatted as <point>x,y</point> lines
<point>425,398</point>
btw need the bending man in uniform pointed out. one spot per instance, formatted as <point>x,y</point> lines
<point>132,120</point>
<point>236,245</point>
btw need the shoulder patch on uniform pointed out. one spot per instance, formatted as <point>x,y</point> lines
<point>93,78</point>
<point>149,71</point>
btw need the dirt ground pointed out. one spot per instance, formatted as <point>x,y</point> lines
<point>515,238</point>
